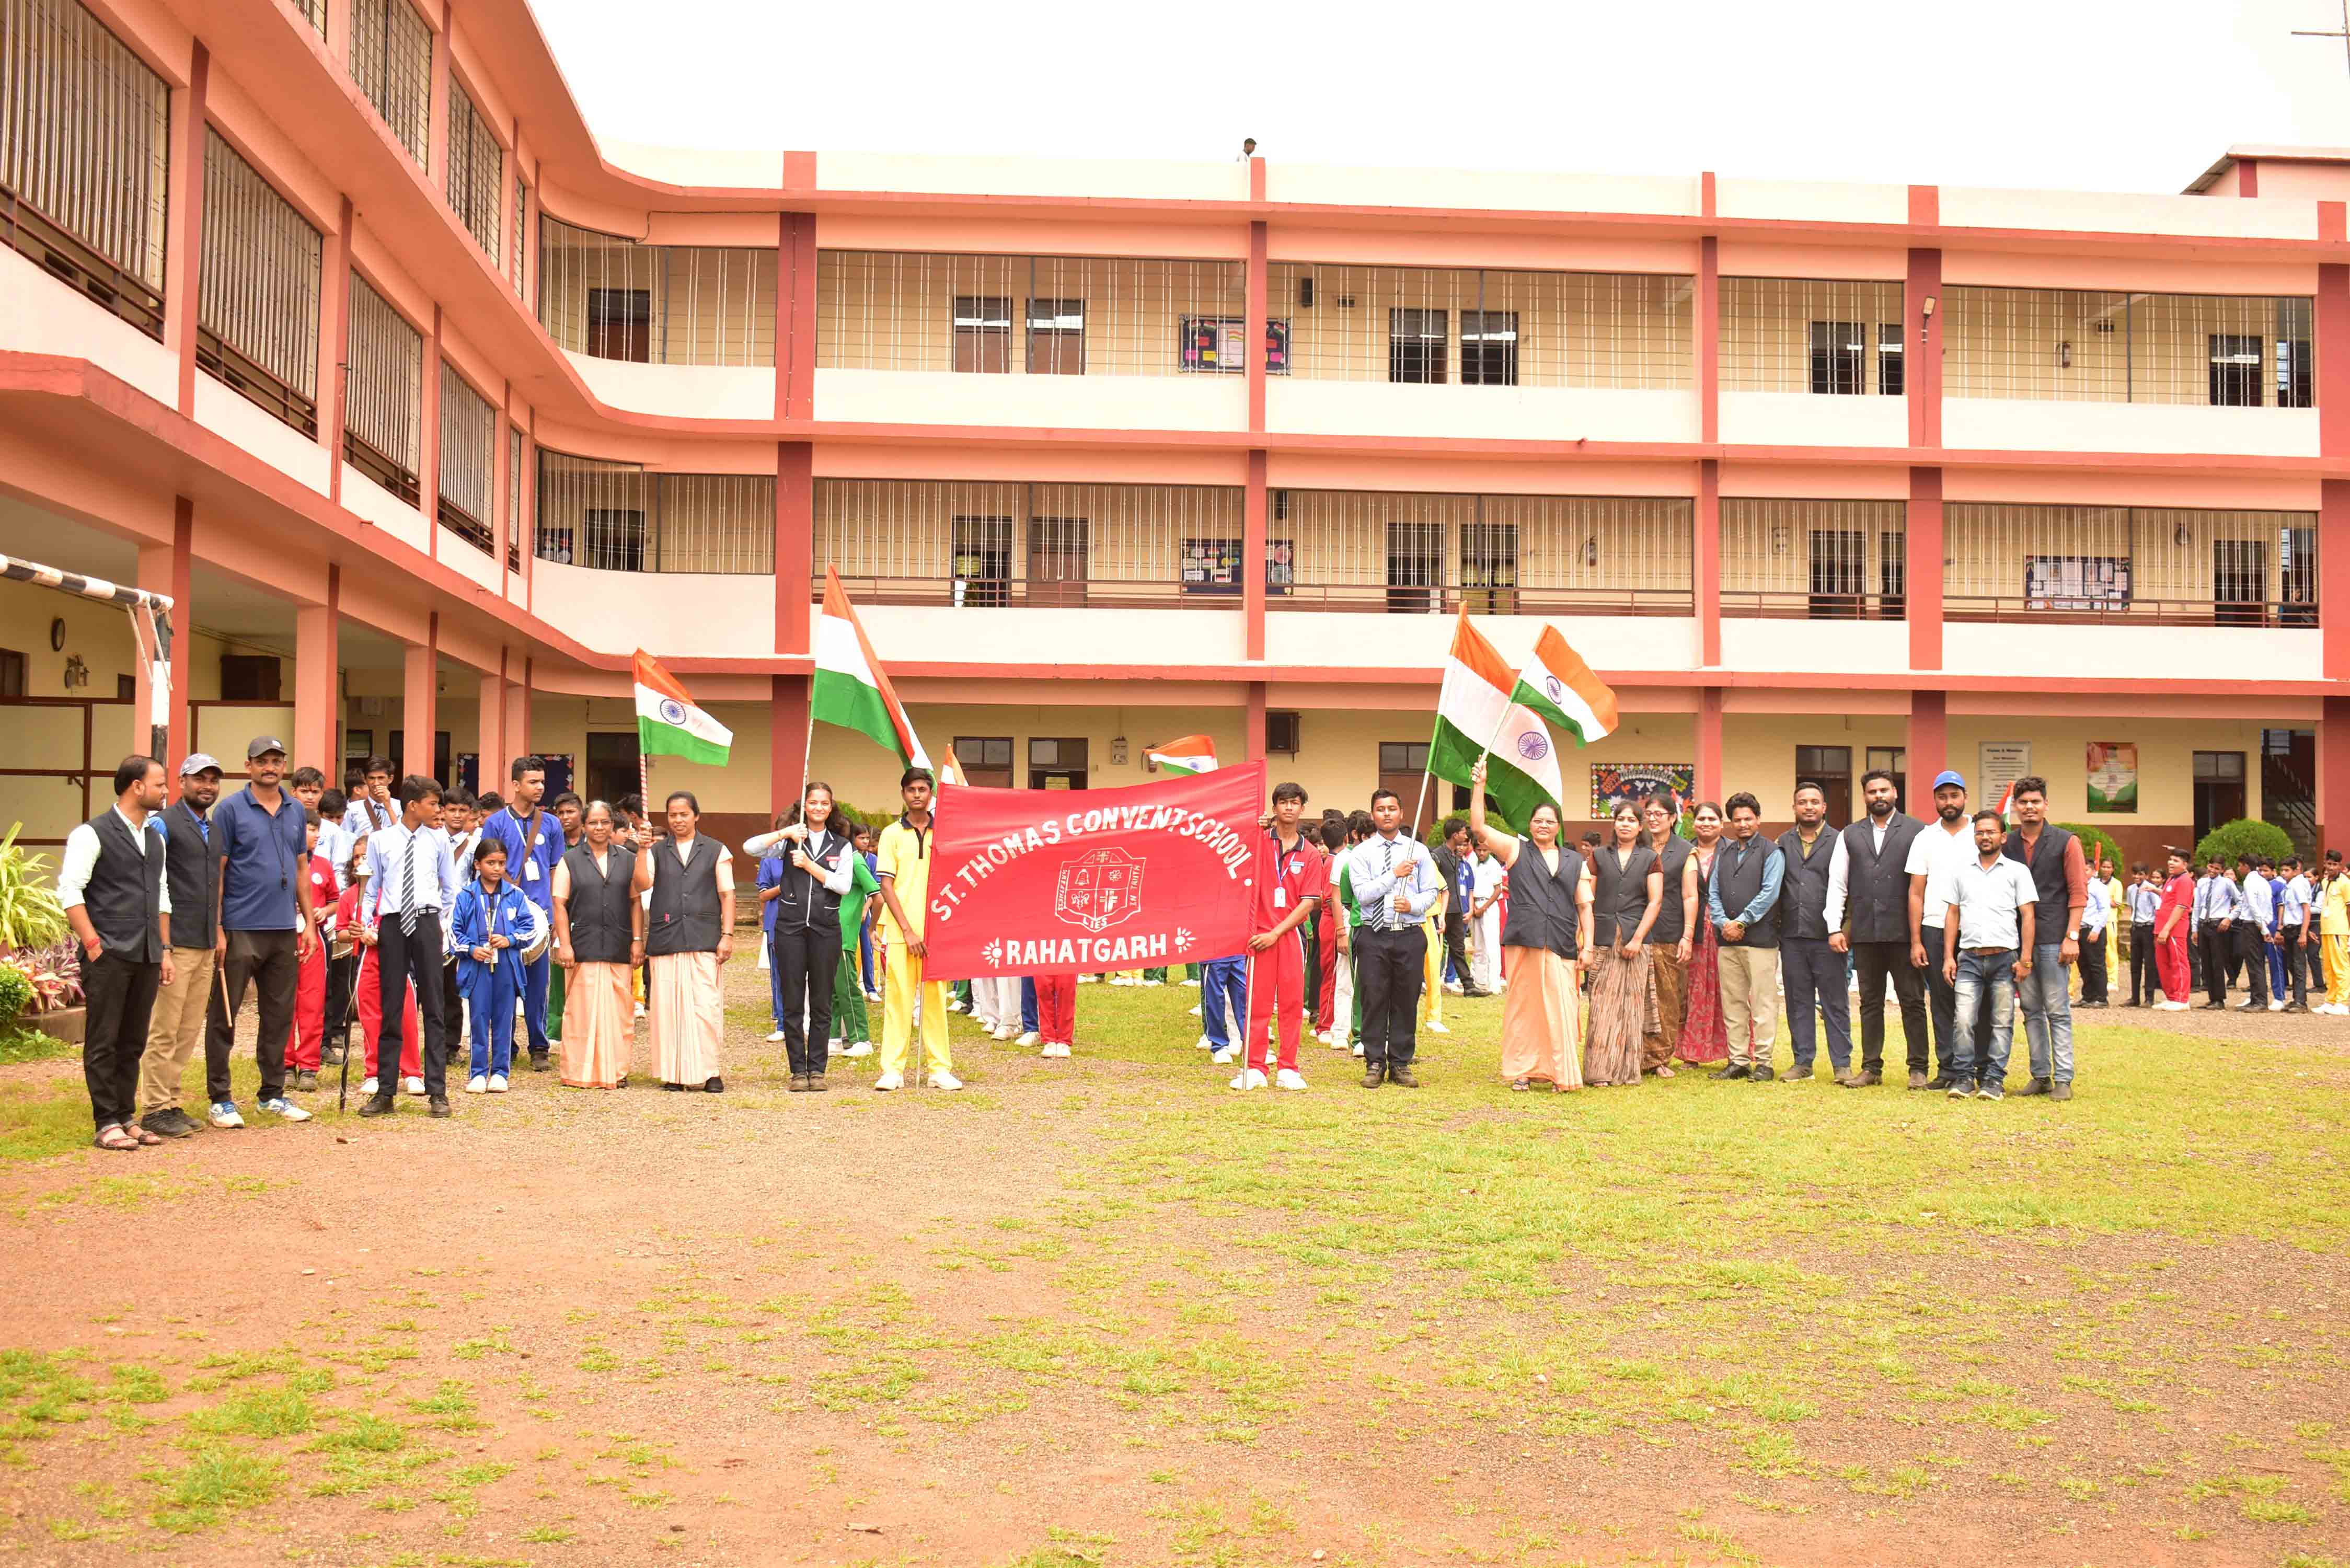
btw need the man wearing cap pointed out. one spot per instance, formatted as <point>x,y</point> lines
<point>1941,849</point>
<point>258,837</point>
<point>184,1001</point>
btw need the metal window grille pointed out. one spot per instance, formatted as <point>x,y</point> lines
<point>383,392</point>
<point>613,298</point>
<point>1095,315</point>
<point>2099,347</point>
<point>1008,543</point>
<point>514,457</point>
<point>85,132</point>
<point>1497,554</point>
<point>315,10</point>
<point>1828,336</point>
<point>514,253</point>
<point>2142,565</point>
<point>1346,323</point>
<point>391,62</point>
<point>476,170</point>
<point>469,427</point>
<point>258,320</point>
<point>1818,560</point>
<point>617,517</point>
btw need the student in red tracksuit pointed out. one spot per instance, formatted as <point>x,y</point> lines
<point>1334,840</point>
<point>1290,877</point>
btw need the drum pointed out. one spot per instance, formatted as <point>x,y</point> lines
<point>536,948</point>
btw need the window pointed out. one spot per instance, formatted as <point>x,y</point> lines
<point>1893,577</point>
<point>476,171</point>
<point>1830,767</point>
<point>1056,560</point>
<point>1416,339</point>
<point>620,324</point>
<point>1839,559</point>
<point>250,677</point>
<point>2236,362</point>
<point>521,216</point>
<point>1056,337</point>
<point>2297,566</point>
<point>1213,565</point>
<point>12,673</point>
<point>1838,350</point>
<point>1056,763</point>
<point>984,760</point>
<point>2292,364</point>
<point>2218,789</point>
<point>1281,732</point>
<point>2239,582</point>
<point>612,538</point>
<point>383,392</point>
<point>257,322</point>
<point>391,63</point>
<point>1489,348</point>
<point>1415,566</point>
<point>983,561</point>
<point>514,499</point>
<point>469,430</point>
<point>1489,564</point>
<point>1219,343</point>
<point>1890,362</point>
<point>983,334</point>
<point>1403,756</point>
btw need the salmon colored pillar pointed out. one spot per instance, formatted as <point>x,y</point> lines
<point>1709,742</point>
<point>1922,574</point>
<point>1706,580</point>
<point>334,343</point>
<point>518,717</point>
<point>788,739</point>
<point>184,223</point>
<point>1929,749</point>
<point>491,730</point>
<point>318,682</point>
<point>2334,773</point>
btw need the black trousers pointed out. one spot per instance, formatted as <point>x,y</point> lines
<point>2146,975</point>
<point>1877,962</point>
<point>2296,963</point>
<point>2093,967</point>
<point>2215,944</point>
<point>264,959</point>
<point>2251,949</point>
<point>1389,966</point>
<point>1943,998</point>
<point>1456,948</point>
<point>121,995</point>
<point>807,961</point>
<point>398,959</point>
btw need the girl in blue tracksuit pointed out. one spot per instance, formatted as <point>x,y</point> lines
<point>493,923</point>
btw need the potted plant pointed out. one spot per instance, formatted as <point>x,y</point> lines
<point>38,943</point>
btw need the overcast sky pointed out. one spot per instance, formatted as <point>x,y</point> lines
<point>2067,93</point>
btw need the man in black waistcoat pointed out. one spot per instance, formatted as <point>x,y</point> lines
<point>111,884</point>
<point>1811,971</point>
<point>189,995</point>
<point>1868,916</point>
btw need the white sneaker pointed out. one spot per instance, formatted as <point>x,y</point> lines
<point>497,1083</point>
<point>776,1038</point>
<point>1006,1032</point>
<point>412,1086</point>
<point>2334,1008</point>
<point>1250,1078</point>
<point>2241,1006</point>
<point>285,1109</point>
<point>1223,1058</point>
<point>862,1048</point>
<point>1086,978</point>
<point>1358,1047</point>
<point>2176,1006</point>
<point>477,1085</point>
<point>1453,988</point>
<point>954,1005</point>
<point>1150,982</point>
<point>1323,1036</point>
<point>1027,1037</point>
<point>1204,1044</point>
<point>1192,1010</point>
<point>889,1080</point>
<point>640,1009</point>
<point>2276,1007</point>
<point>1435,1028</point>
<point>1192,983</point>
<point>1289,1078</point>
<point>1338,1042</point>
<point>942,1079</point>
<point>1057,1050</point>
<point>368,1088</point>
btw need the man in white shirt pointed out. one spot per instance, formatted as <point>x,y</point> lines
<point>1397,883</point>
<point>1942,846</point>
<point>2095,913</point>
<point>110,881</point>
<point>1485,919</point>
<point>2293,937</point>
<point>2144,907</point>
<point>2255,924</point>
<point>413,882</point>
<point>1985,951</point>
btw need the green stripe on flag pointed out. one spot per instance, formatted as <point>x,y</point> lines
<point>1452,757</point>
<point>655,739</point>
<point>1527,695</point>
<point>850,703</point>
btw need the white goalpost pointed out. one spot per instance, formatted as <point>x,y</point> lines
<point>151,627</point>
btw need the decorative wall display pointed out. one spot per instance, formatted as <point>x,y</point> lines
<point>1613,781</point>
<point>2113,776</point>
<point>2002,763</point>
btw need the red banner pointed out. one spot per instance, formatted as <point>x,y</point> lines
<point>1028,882</point>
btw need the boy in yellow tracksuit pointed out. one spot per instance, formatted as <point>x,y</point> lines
<point>904,870</point>
<point>2334,935</point>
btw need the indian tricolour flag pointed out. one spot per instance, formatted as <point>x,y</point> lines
<point>1189,754</point>
<point>671,725</point>
<point>1561,687</point>
<point>852,688</point>
<point>1475,712</point>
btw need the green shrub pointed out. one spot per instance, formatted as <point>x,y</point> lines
<point>16,992</point>
<point>2243,836</point>
<point>2093,840</point>
<point>30,914</point>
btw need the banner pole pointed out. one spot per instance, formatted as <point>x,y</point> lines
<point>1246,1033</point>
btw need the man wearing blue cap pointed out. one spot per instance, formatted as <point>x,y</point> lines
<point>1942,847</point>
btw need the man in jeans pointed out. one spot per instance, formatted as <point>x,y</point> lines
<point>258,835</point>
<point>184,1002</point>
<point>2060,881</point>
<point>1942,846</point>
<point>1988,943</point>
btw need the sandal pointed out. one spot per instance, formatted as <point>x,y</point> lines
<point>1519,1086</point>
<point>112,1138</point>
<point>146,1139</point>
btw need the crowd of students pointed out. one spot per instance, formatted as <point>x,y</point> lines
<point>429,918</point>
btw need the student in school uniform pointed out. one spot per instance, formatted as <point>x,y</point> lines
<point>493,925</point>
<point>307,1050</point>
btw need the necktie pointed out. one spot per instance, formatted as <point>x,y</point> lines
<point>1386,863</point>
<point>407,887</point>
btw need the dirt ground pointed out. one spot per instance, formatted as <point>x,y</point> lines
<point>569,1327</point>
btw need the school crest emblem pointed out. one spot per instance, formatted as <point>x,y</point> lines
<point>1099,889</point>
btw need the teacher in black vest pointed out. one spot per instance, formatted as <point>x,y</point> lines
<point>111,885</point>
<point>1868,916</point>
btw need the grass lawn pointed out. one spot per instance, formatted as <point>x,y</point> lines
<point>1105,1311</point>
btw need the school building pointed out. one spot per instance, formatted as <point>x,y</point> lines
<point>334,320</point>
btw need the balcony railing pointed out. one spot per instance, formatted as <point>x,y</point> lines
<point>984,544</point>
<point>258,330</point>
<point>383,392</point>
<point>1484,327</point>
<point>1812,335</point>
<point>612,299</point>
<point>1815,560</point>
<point>2099,347</point>
<point>476,171</point>
<point>391,63</point>
<point>2138,565</point>
<point>617,517</point>
<point>84,140</point>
